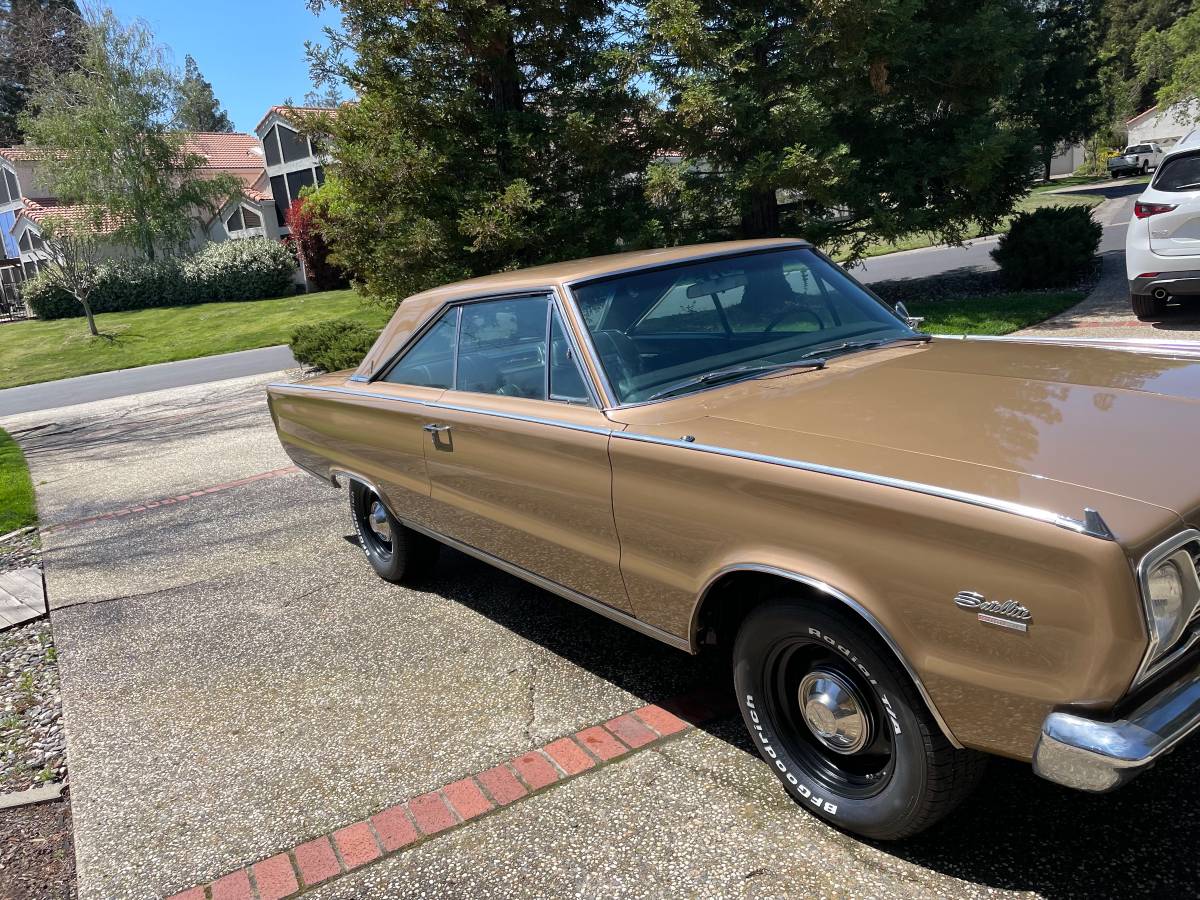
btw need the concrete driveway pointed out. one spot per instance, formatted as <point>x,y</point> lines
<point>247,705</point>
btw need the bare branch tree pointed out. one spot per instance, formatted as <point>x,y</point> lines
<point>75,253</point>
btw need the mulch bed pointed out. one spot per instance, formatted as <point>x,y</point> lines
<point>37,853</point>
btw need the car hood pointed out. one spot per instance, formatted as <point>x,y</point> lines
<point>1059,427</point>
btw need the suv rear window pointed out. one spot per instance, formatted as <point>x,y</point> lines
<point>1180,173</point>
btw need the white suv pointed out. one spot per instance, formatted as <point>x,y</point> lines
<point>1162,245</point>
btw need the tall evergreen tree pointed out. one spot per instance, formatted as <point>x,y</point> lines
<point>108,128</point>
<point>197,108</point>
<point>1061,93</point>
<point>33,34</point>
<point>1124,22</point>
<point>485,136</point>
<point>844,121</point>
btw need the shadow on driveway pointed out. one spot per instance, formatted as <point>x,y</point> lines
<point>1016,832</point>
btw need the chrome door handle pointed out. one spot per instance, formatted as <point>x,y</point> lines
<point>436,429</point>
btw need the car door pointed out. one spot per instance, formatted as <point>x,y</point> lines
<point>1176,232</point>
<point>517,450</point>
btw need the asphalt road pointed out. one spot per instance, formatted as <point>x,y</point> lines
<point>976,255</point>
<point>123,382</point>
<point>235,680</point>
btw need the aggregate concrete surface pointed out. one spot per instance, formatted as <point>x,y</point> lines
<point>236,680</point>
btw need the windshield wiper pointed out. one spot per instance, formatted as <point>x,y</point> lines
<point>866,345</point>
<point>735,372</point>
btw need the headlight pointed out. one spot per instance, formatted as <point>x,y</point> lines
<point>1167,602</point>
<point>1171,594</point>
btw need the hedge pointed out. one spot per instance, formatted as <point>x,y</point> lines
<point>1049,247</point>
<point>249,269</point>
<point>333,345</point>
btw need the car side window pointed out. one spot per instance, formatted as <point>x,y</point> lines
<point>566,380</point>
<point>502,347</point>
<point>430,361</point>
<point>1179,174</point>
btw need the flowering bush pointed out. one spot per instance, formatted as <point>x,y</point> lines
<point>249,269</point>
<point>310,246</point>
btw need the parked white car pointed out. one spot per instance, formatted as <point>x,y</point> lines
<point>1162,245</point>
<point>1138,159</point>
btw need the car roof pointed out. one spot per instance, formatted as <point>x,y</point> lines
<point>419,308</point>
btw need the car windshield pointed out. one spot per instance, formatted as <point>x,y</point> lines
<point>676,329</point>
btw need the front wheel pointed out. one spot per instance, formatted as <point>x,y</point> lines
<point>395,552</point>
<point>841,724</point>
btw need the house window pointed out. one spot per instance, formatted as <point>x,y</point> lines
<point>293,145</point>
<point>26,244</point>
<point>14,190</point>
<point>251,218</point>
<point>320,175</point>
<point>234,222</point>
<point>297,180</point>
<point>30,268</point>
<point>271,147</point>
<point>5,197</point>
<point>279,189</point>
<point>36,240</point>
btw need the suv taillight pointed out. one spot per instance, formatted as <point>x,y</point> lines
<point>1146,210</point>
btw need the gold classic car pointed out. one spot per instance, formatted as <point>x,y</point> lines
<point>917,551</point>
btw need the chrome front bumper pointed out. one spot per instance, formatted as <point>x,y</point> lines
<point>1098,755</point>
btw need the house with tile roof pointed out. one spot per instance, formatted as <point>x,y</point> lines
<point>273,165</point>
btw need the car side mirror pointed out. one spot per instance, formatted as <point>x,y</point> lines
<point>913,322</point>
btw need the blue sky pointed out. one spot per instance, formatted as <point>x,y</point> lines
<point>252,51</point>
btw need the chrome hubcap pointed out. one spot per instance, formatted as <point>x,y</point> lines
<point>834,712</point>
<point>378,521</point>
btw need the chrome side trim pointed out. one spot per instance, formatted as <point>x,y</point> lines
<point>1098,755</point>
<point>844,598</point>
<point>609,612</point>
<point>335,471</point>
<point>1092,526</point>
<point>1152,662</point>
<point>454,407</point>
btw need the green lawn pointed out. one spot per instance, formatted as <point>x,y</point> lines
<point>16,490</point>
<point>43,351</point>
<point>992,314</point>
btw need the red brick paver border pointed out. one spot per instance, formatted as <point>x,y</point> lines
<point>147,505</point>
<point>459,802</point>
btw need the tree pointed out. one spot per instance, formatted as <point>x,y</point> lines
<point>486,136</point>
<point>198,109</point>
<point>33,34</point>
<point>1123,23</point>
<point>74,253</point>
<point>845,121</point>
<point>1170,58</point>
<point>107,129</point>
<point>1062,89</point>
<point>310,246</point>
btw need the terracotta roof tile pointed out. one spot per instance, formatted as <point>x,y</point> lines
<point>284,110</point>
<point>38,211</point>
<point>226,151</point>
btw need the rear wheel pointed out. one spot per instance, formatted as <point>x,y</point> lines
<point>1147,307</point>
<point>395,552</point>
<point>841,724</point>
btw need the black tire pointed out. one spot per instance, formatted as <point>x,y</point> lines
<point>1147,307</point>
<point>407,556</point>
<point>905,777</point>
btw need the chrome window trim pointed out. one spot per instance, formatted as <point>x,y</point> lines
<point>1151,664</point>
<point>1130,345</point>
<point>844,598</point>
<point>1091,525</point>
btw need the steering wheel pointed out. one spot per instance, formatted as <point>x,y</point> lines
<point>796,314</point>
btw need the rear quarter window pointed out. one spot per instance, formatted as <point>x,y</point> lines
<point>1181,173</point>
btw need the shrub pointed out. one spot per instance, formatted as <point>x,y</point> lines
<point>249,269</point>
<point>309,244</point>
<point>333,345</point>
<point>1048,247</point>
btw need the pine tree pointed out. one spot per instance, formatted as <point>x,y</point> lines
<point>485,136</point>
<point>33,34</point>
<point>846,122</point>
<point>198,109</point>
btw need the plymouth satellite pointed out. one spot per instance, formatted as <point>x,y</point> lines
<point>917,551</point>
